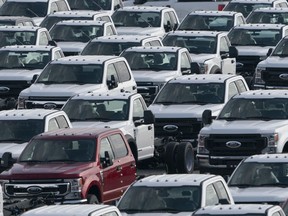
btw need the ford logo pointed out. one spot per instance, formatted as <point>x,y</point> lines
<point>4,89</point>
<point>34,190</point>
<point>50,106</point>
<point>283,76</point>
<point>170,128</point>
<point>233,144</point>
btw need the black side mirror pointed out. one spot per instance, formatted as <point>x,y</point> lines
<point>175,27</point>
<point>107,161</point>
<point>195,68</point>
<point>112,83</point>
<point>149,117</point>
<point>269,51</point>
<point>34,78</point>
<point>224,201</point>
<point>167,27</point>
<point>52,43</point>
<point>7,161</point>
<point>207,117</point>
<point>233,52</point>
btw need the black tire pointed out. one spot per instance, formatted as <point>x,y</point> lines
<point>170,157</point>
<point>92,199</point>
<point>185,158</point>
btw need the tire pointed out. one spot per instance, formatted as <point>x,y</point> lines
<point>170,159</point>
<point>185,158</point>
<point>92,199</point>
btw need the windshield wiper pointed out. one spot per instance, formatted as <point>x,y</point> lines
<point>31,11</point>
<point>274,184</point>
<point>48,82</point>
<point>258,118</point>
<point>166,102</point>
<point>31,161</point>
<point>241,185</point>
<point>231,118</point>
<point>61,160</point>
<point>13,139</point>
<point>94,2</point>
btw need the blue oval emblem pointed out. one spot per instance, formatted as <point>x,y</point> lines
<point>34,190</point>
<point>170,128</point>
<point>4,89</point>
<point>50,106</point>
<point>233,144</point>
<point>283,76</point>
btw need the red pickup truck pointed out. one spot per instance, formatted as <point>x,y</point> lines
<point>79,165</point>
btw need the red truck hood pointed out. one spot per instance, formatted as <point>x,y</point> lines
<point>46,171</point>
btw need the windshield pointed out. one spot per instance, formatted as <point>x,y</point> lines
<point>254,174</point>
<point>264,17</point>
<point>152,61</point>
<point>213,23</point>
<point>76,150</point>
<point>281,49</point>
<point>245,9</point>
<point>102,48</point>
<point>27,9</point>
<point>160,199</point>
<point>71,74</point>
<point>195,44</point>
<point>76,33</point>
<point>49,21</point>
<point>24,59</point>
<point>8,38</point>
<point>97,110</point>
<point>254,37</point>
<point>95,5</point>
<point>255,108</point>
<point>191,93</point>
<point>20,130</point>
<point>136,19</point>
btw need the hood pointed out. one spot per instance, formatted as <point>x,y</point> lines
<point>274,61</point>
<point>247,126</point>
<point>46,170</point>
<point>158,214</point>
<point>109,124</point>
<point>38,20</point>
<point>154,76</point>
<point>258,194</point>
<point>152,31</point>
<point>71,46</point>
<point>184,111</point>
<point>253,50</point>
<point>201,58</point>
<point>18,74</point>
<point>14,148</point>
<point>59,90</point>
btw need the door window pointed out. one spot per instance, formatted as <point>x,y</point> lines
<point>119,146</point>
<point>211,196</point>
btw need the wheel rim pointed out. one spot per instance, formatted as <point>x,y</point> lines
<point>189,159</point>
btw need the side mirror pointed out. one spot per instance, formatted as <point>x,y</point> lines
<point>34,78</point>
<point>52,43</point>
<point>269,51</point>
<point>112,83</point>
<point>107,161</point>
<point>224,201</point>
<point>167,27</point>
<point>175,27</point>
<point>233,52</point>
<point>149,117</point>
<point>195,68</point>
<point>7,161</point>
<point>185,71</point>
<point>207,117</point>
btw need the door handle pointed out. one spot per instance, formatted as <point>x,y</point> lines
<point>150,127</point>
<point>122,90</point>
<point>119,168</point>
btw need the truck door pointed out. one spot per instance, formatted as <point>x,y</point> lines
<point>144,133</point>
<point>228,65</point>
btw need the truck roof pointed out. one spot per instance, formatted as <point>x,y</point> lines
<point>78,13</point>
<point>103,96</point>
<point>259,26</point>
<point>213,13</point>
<point>173,180</point>
<point>143,8</point>
<point>268,158</point>
<point>28,48</point>
<point>81,22</point>
<point>27,0</point>
<point>253,1</point>
<point>202,78</point>
<point>196,33</point>
<point>67,210</point>
<point>88,59</point>
<point>79,132</point>
<point>154,49</point>
<point>23,114</point>
<point>122,38</point>
<point>237,209</point>
<point>271,9</point>
<point>20,28</point>
<point>279,93</point>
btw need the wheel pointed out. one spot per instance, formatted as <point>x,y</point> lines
<point>92,199</point>
<point>185,158</point>
<point>170,159</point>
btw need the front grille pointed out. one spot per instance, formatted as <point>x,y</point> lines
<point>15,87</point>
<point>45,102</point>
<point>52,98</point>
<point>249,63</point>
<point>250,144</point>
<point>71,53</point>
<point>271,76</point>
<point>187,128</point>
<point>37,188</point>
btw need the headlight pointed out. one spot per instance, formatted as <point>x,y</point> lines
<point>201,144</point>
<point>258,74</point>
<point>21,102</point>
<point>76,188</point>
<point>203,68</point>
<point>271,143</point>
